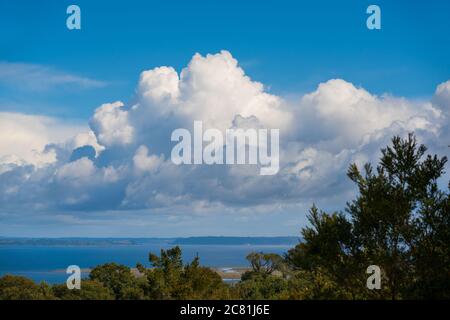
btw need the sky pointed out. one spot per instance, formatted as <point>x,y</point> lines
<point>86,115</point>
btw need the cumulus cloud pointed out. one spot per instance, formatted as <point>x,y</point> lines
<point>340,115</point>
<point>123,162</point>
<point>111,126</point>
<point>213,89</point>
<point>27,139</point>
<point>80,169</point>
<point>143,162</point>
<point>159,85</point>
<point>86,139</point>
<point>442,97</point>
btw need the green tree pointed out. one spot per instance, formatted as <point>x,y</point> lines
<point>202,282</point>
<point>399,221</point>
<point>389,211</point>
<point>90,290</point>
<point>170,279</point>
<point>431,248</point>
<point>316,284</point>
<point>327,254</point>
<point>21,288</point>
<point>164,277</point>
<point>266,279</point>
<point>262,287</point>
<point>264,264</point>
<point>119,279</point>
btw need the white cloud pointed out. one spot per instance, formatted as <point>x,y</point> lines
<point>442,96</point>
<point>38,77</point>
<point>143,162</point>
<point>321,134</point>
<point>80,169</point>
<point>23,138</point>
<point>213,89</point>
<point>340,115</point>
<point>110,124</point>
<point>86,139</point>
<point>159,85</point>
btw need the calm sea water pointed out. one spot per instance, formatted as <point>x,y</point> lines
<point>41,263</point>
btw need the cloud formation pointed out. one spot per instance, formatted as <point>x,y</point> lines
<point>111,126</point>
<point>123,161</point>
<point>38,77</point>
<point>27,139</point>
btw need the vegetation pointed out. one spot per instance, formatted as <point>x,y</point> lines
<point>90,290</point>
<point>170,279</point>
<point>400,221</point>
<point>21,288</point>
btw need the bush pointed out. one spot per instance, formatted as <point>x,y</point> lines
<point>21,288</point>
<point>90,290</point>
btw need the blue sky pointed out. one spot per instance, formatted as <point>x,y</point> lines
<point>289,46</point>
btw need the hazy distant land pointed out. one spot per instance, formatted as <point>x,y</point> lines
<point>140,241</point>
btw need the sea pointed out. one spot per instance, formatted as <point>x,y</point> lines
<point>49,262</point>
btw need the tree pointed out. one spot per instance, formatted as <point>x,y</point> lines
<point>399,221</point>
<point>119,279</point>
<point>390,208</point>
<point>266,279</point>
<point>264,264</point>
<point>21,288</point>
<point>316,284</point>
<point>326,252</point>
<point>259,286</point>
<point>164,277</point>
<point>170,279</point>
<point>431,248</point>
<point>202,282</point>
<point>90,290</point>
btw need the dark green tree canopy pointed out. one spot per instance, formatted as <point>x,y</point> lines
<point>399,221</point>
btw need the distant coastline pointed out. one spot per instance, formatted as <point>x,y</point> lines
<point>238,240</point>
<point>212,240</point>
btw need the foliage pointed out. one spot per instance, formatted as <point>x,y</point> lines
<point>90,290</point>
<point>399,221</point>
<point>21,288</point>
<point>260,286</point>
<point>264,264</point>
<point>170,279</point>
<point>119,279</point>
